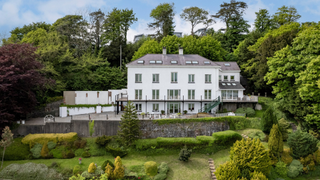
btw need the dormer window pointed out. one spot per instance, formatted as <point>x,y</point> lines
<point>195,62</point>
<point>174,62</point>
<point>234,84</point>
<point>227,64</point>
<point>188,62</point>
<point>207,62</point>
<point>152,62</point>
<point>159,62</point>
<point>141,62</point>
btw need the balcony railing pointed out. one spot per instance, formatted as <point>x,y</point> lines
<point>243,99</point>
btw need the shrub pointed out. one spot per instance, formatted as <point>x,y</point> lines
<point>163,168</point>
<point>275,142</point>
<point>44,150</point>
<point>86,154</point>
<point>250,112</point>
<point>284,125</point>
<point>205,140</point>
<point>109,171</point>
<point>68,154</point>
<point>92,168</point>
<point>308,163</point>
<point>32,139</point>
<point>317,156</point>
<point>267,120</point>
<point>117,151</point>
<point>91,126</point>
<point>77,177</point>
<point>16,151</point>
<point>295,169</point>
<point>51,145</point>
<point>177,142</point>
<point>80,143</point>
<point>78,152</point>
<point>228,170</point>
<point>103,140</point>
<point>240,110</point>
<point>36,150</point>
<point>95,149</point>
<point>58,152</point>
<point>118,172</point>
<point>286,157</point>
<point>105,163</point>
<point>257,134</point>
<point>160,176</point>
<point>250,154</point>
<point>281,169</point>
<point>185,154</point>
<point>258,176</point>
<point>143,144</point>
<point>76,170</point>
<point>302,144</point>
<point>150,168</point>
<point>226,137</point>
<point>315,133</point>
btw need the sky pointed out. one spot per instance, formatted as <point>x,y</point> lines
<point>16,13</point>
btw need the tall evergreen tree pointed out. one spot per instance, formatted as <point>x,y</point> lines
<point>129,125</point>
<point>275,142</point>
<point>267,120</point>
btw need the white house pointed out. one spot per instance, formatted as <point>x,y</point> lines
<point>178,82</point>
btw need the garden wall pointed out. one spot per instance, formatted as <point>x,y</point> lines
<point>149,129</point>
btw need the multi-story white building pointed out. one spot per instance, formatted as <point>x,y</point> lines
<point>178,82</point>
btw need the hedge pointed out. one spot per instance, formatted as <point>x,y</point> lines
<point>16,151</point>
<point>235,122</point>
<point>206,140</point>
<point>143,144</point>
<point>32,139</point>
<point>169,142</point>
<point>226,137</point>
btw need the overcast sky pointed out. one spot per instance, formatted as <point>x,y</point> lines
<point>16,13</point>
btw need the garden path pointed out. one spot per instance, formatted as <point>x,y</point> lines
<point>212,168</point>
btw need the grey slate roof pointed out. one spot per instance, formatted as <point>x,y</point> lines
<point>181,60</point>
<point>231,86</point>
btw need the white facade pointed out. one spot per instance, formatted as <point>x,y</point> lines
<point>143,91</point>
<point>97,97</point>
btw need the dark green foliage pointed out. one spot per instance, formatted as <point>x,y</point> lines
<point>58,152</point>
<point>143,144</point>
<point>80,143</point>
<point>86,154</point>
<point>295,169</point>
<point>20,32</point>
<point>267,120</point>
<point>105,163</point>
<point>185,153</point>
<point>95,149</point>
<point>117,151</point>
<point>103,140</point>
<point>36,151</point>
<point>245,173</point>
<point>226,137</point>
<point>78,152</point>
<point>51,145</point>
<point>258,134</point>
<point>177,142</point>
<point>240,110</point>
<point>76,170</point>
<point>284,125</point>
<point>129,125</point>
<point>249,111</point>
<point>302,144</point>
<point>281,169</point>
<point>68,154</point>
<point>16,151</point>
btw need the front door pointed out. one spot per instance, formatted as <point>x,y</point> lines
<point>174,107</point>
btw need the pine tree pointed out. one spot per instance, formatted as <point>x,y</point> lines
<point>129,125</point>
<point>275,142</point>
<point>267,120</point>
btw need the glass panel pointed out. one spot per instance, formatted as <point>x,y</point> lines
<point>223,94</point>
<point>232,78</point>
<point>189,94</point>
<point>209,94</point>
<point>225,78</point>
<point>140,94</point>
<point>235,94</point>
<point>229,94</point>
<point>193,94</point>
<point>219,77</point>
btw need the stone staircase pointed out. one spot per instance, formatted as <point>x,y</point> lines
<point>212,169</point>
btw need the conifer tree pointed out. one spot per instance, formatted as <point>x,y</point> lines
<point>109,171</point>
<point>44,150</point>
<point>118,172</point>
<point>267,120</point>
<point>129,125</point>
<point>275,142</point>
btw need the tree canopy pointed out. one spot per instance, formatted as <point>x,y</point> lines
<point>196,16</point>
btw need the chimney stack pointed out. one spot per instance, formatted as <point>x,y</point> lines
<point>164,50</point>
<point>180,50</point>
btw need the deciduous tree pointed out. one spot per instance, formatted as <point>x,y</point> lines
<point>263,21</point>
<point>195,15</point>
<point>7,139</point>
<point>286,15</point>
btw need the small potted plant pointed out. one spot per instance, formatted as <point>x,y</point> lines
<point>185,112</point>
<point>80,160</point>
<point>162,112</point>
<point>142,114</point>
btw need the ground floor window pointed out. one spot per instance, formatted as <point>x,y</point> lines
<point>174,107</point>
<point>155,107</point>
<point>138,107</point>
<point>191,107</point>
<point>229,94</point>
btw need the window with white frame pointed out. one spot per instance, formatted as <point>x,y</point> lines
<point>208,78</point>
<point>225,78</point>
<point>191,78</point>
<point>191,93</point>
<point>234,94</point>
<point>229,94</point>
<point>138,107</point>
<point>155,107</point>
<point>232,78</point>
<point>155,78</point>
<point>191,107</point>
<point>155,94</point>
<point>173,93</point>
<point>174,77</point>
<point>138,78</point>
<point>207,94</point>
<point>138,94</point>
<point>219,77</point>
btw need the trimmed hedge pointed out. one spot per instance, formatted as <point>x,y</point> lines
<point>206,140</point>
<point>226,137</point>
<point>16,151</point>
<point>234,122</point>
<point>32,139</point>
<point>169,142</point>
<point>143,144</point>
